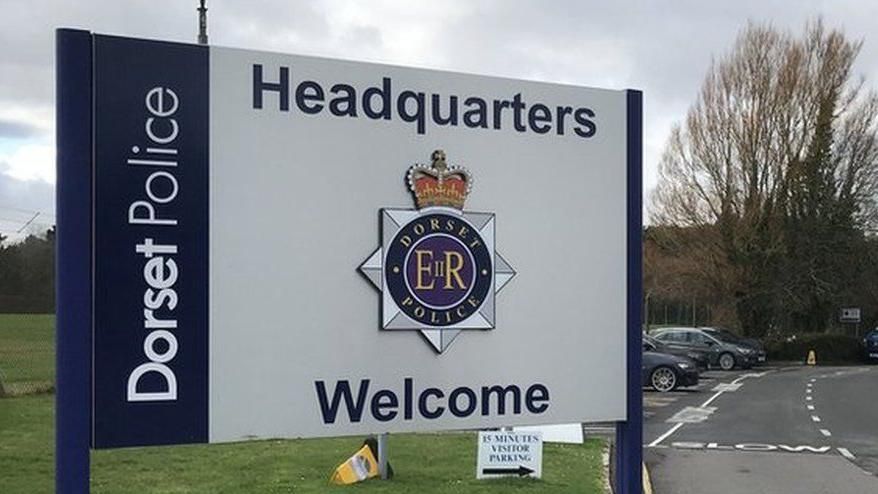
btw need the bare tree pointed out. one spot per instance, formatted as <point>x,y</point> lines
<point>779,137</point>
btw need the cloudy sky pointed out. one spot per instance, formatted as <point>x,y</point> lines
<point>660,46</point>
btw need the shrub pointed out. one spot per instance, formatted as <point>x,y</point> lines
<point>830,348</point>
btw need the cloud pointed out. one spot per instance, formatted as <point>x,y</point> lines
<point>663,48</point>
<point>30,162</point>
<point>19,200</point>
<point>17,130</point>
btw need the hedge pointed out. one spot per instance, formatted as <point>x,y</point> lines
<point>830,348</point>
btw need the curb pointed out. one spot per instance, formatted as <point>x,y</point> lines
<point>607,470</point>
<point>647,481</point>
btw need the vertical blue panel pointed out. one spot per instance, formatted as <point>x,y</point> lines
<point>151,320</point>
<point>73,260</point>
<point>629,434</point>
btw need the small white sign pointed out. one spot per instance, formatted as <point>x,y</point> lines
<point>556,433</point>
<point>510,454</point>
<point>850,314</point>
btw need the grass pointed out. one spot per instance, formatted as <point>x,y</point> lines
<point>27,352</point>
<point>424,463</point>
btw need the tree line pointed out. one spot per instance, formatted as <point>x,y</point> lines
<point>27,274</point>
<point>766,201</point>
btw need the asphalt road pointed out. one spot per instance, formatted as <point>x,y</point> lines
<point>803,430</point>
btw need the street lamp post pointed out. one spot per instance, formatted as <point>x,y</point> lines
<point>202,23</point>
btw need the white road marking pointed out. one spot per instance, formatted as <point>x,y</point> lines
<point>815,418</point>
<point>813,380</point>
<point>808,398</point>
<point>802,448</point>
<point>810,407</point>
<point>825,432</point>
<point>809,385</point>
<point>703,405</point>
<point>665,435</point>
<point>692,415</point>
<point>846,453</point>
<point>710,400</point>
<point>726,387</point>
<point>808,390</point>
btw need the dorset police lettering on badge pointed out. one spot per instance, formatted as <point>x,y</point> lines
<point>436,268</point>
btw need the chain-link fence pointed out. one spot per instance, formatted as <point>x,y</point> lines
<point>27,354</point>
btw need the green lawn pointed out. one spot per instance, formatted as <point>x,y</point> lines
<point>424,463</point>
<point>27,352</point>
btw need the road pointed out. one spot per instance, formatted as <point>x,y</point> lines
<point>802,430</point>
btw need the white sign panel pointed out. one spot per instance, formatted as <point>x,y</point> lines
<point>850,314</point>
<point>510,454</point>
<point>557,433</point>
<point>289,246</point>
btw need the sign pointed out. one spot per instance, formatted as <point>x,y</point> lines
<point>510,454</point>
<point>850,314</point>
<point>288,246</point>
<point>557,433</point>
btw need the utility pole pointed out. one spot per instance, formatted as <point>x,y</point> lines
<point>202,23</point>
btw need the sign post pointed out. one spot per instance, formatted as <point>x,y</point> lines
<point>73,261</point>
<point>222,275</point>
<point>629,433</point>
<point>851,315</point>
<point>382,455</point>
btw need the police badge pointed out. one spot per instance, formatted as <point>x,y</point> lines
<point>436,268</point>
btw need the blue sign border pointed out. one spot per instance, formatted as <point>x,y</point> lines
<point>73,251</point>
<point>629,434</point>
<point>150,104</point>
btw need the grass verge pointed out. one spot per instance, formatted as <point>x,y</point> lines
<point>27,352</point>
<point>424,463</point>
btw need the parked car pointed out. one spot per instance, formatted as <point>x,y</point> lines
<point>870,341</point>
<point>726,355</point>
<point>730,337</point>
<point>665,372</point>
<point>701,357</point>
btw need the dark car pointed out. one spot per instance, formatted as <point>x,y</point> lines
<point>730,337</point>
<point>664,372</point>
<point>723,354</point>
<point>701,357</point>
<point>870,341</point>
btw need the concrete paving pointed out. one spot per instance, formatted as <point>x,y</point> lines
<point>786,430</point>
<point>729,472</point>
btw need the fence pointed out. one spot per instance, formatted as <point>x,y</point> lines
<point>658,312</point>
<point>27,354</point>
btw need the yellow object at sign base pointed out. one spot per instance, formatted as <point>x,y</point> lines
<point>357,468</point>
<point>812,357</point>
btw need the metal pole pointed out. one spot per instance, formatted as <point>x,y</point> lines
<point>382,455</point>
<point>73,116</point>
<point>202,23</point>
<point>629,434</point>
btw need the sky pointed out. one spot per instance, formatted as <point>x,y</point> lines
<point>662,47</point>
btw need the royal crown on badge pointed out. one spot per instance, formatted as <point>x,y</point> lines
<point>439,184</point>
